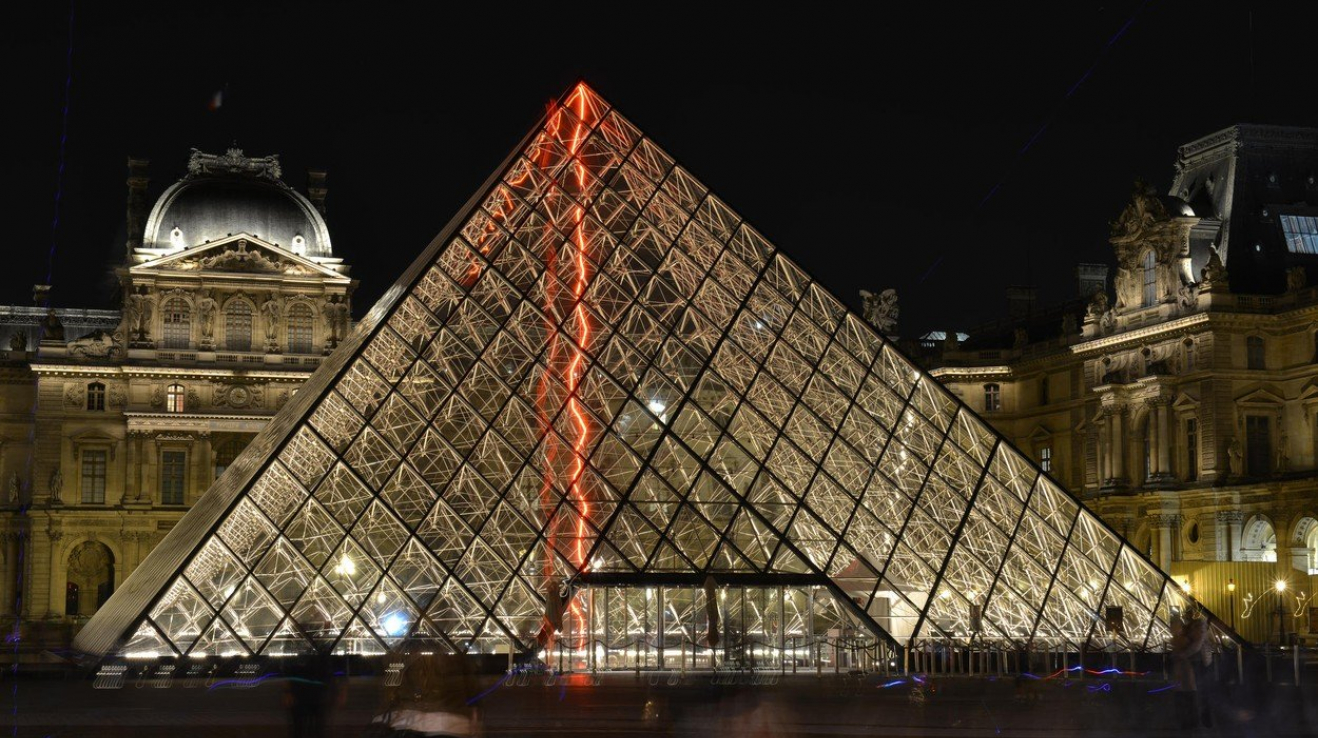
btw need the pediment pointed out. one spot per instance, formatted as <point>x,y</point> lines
<point>242,254</point>
<point>1260,395</point>
<point>1185,401</point>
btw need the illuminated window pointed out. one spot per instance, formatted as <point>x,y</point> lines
<point>299,329</point>
<point>1046,458</point>
<point>178,324</point>
<point>1301,233</point>
<point>1150,279</point>
<point>93,476</point>
<point>173,468</point>
<point>992,397</point>
<point>1254,352</point>
<point>238,326</point>
<point>95,396</point>
<point>174,398</point>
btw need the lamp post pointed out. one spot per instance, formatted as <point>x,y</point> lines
<point>1231,595</point>
<point>1281,612</point>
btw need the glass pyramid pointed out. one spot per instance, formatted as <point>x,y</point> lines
<point>602,414</point>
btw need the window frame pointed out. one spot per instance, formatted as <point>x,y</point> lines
<point>1149,275</point>
<point>295,331</point>
<point>84,492</point>
<point>234,311</point>
<point>176,399</point>
<point>992,397</point>
<point>177,494</point>
<point>1256,352</point>
<point>1300,232</point>
<point>96,397</point>
<point>180,337</point>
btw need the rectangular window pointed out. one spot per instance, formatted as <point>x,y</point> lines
<point>93,476</point>
<point>1191,449</point>
<point>992,397</point>
<point>1301,233</point>
<point>172,470</point>
<point>95,396</point>
<point>1258,445</point>
<point>1046,458</point>
<point>1255,353</point>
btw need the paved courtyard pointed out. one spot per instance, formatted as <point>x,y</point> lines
<point>666,704</point>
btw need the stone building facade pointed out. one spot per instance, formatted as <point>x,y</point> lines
<point>114,422</point>
<point>1183,404</point>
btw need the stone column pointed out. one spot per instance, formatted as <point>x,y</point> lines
<point>1166,528</point>
<point>1164,439</point>
<point>133,471</point>
<point>54,566</point>
<point>201,471</point>
<point>1229,523</point>
<point>1117,430</point>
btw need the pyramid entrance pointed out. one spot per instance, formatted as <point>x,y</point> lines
<point>603,420</point>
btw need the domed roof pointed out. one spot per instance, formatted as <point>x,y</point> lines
<point>223,195</point>
<point>1176,207</point>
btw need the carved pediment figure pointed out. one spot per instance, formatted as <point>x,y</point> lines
<point>56,486</point>
<point>1296,279</point>
<point>1144,226</point>
<point>881,310</point>
<point>234,161</point>
<point>270,312</point>
<point>138,309</point>
<point>206,307</point>
<point>97,345</point>
<point>1214,273</point>
<point>52,328</point>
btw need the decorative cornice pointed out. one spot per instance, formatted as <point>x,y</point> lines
<point>144,372</point>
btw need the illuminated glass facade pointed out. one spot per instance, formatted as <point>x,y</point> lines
<point>604,417</point>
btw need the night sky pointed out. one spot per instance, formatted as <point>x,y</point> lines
<point>862,144</point>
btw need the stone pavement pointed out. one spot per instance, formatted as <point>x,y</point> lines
<point>621,704</point>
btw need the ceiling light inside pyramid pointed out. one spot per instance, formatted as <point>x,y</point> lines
<point>603,420</point>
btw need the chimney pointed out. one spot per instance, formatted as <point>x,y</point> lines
<point>1020,301</point>
<point>316,188</point>
<point>1090,278</point>
<point>138,178</point>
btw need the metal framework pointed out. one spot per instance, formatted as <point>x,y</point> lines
<point>602,411</point>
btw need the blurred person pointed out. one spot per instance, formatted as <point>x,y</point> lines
<point>1188,635</point>
<point>309,691</point>
<point>433,698</point>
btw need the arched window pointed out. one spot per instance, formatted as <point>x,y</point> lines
<point>174,395</point>
<point>238,326</point>
<point>178,324</point>
<point>300,322</point>
<point>95,396</point>
<point>1150,279</point>
<point>1259,540</point>
<point>992,397</point>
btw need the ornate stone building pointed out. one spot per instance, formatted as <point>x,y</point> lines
<point>114,422</point>
<point>1184,406</point>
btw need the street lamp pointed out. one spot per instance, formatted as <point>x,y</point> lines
<point>1281,613</point>
<point>1231,595</point>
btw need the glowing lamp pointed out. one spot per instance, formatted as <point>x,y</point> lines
<point>1280,585</point>
<point>395,624</point>
<point>1231,585</point>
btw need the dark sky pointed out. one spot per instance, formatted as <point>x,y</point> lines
<point>861,143</point>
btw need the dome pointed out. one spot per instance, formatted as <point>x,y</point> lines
<point>230,194</point>
<point>1176,207</point>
